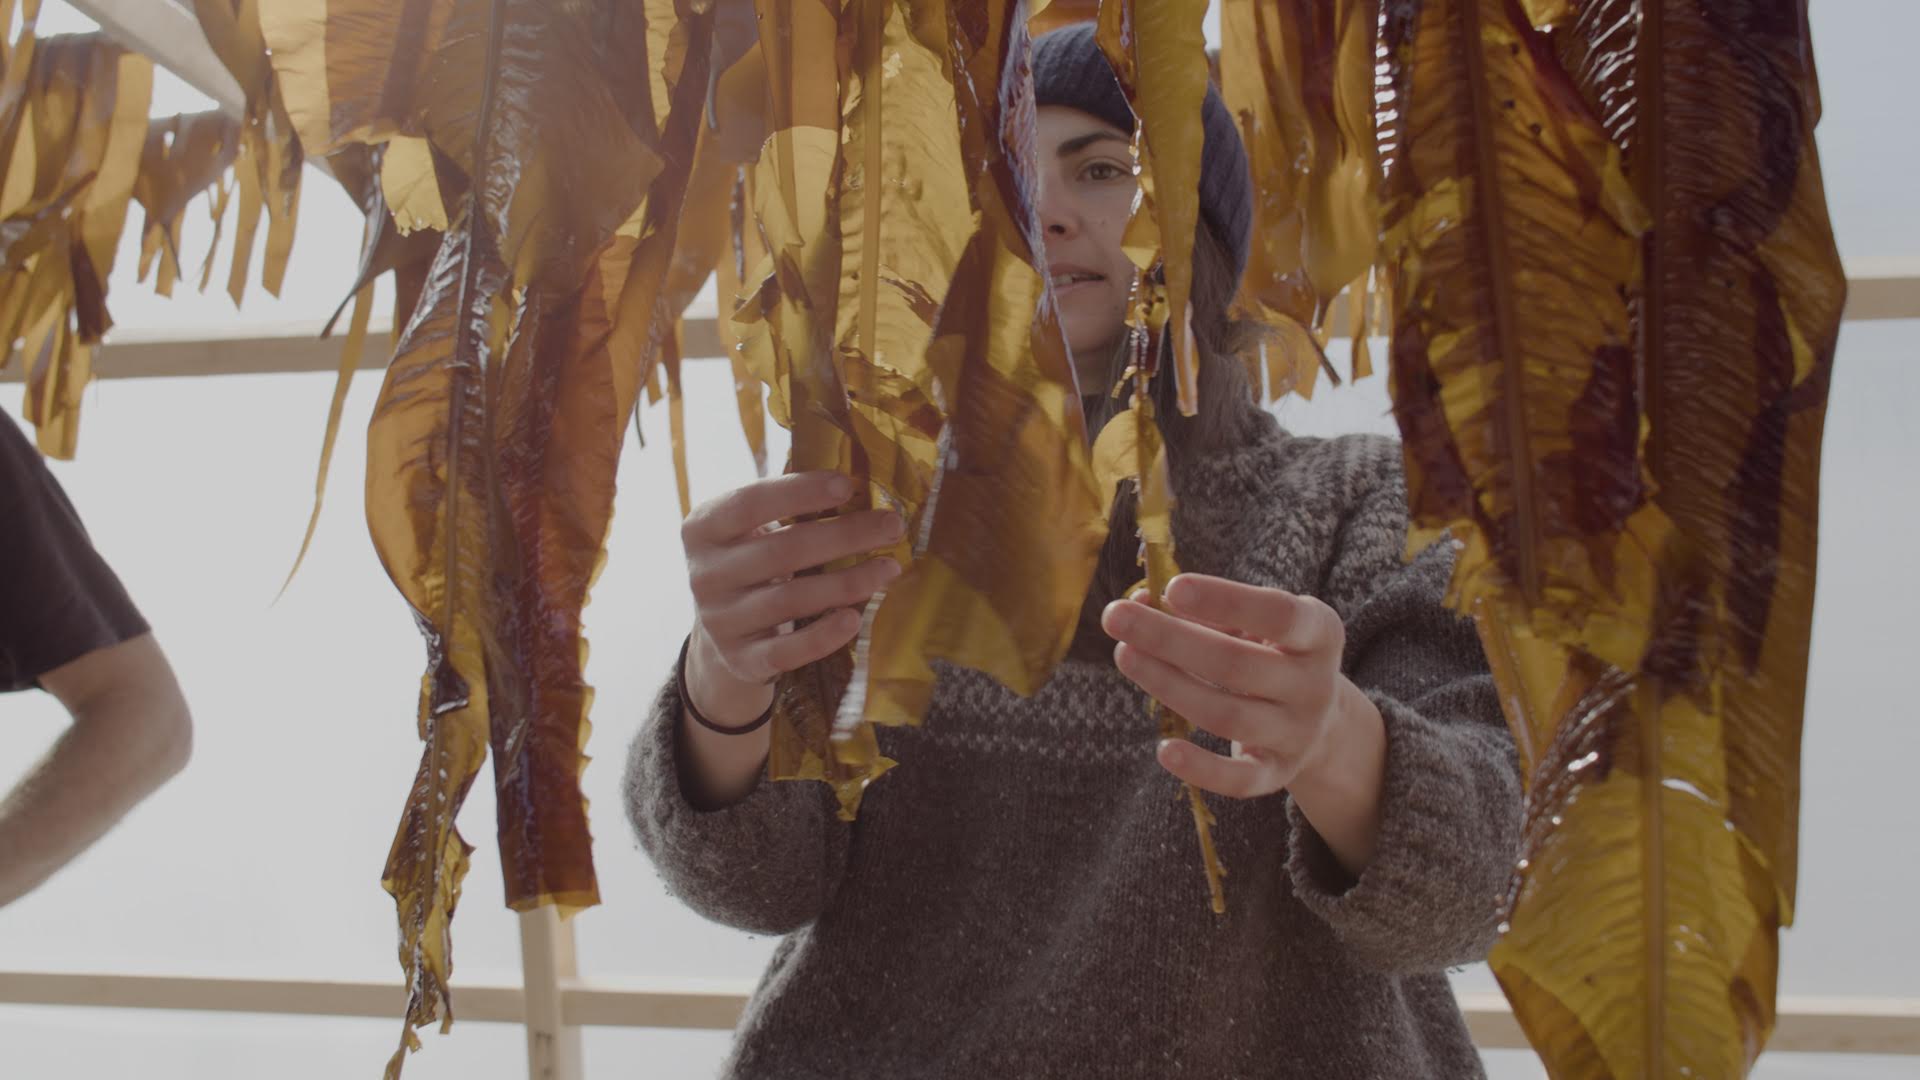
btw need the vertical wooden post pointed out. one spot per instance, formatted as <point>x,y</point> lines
<point>546,958</point>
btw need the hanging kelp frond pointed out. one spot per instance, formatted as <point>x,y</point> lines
<point>492,450</point>
<point>845,346</point>
<point>184,156</point>
<point>1006,541</point>
<point>1298,77</point>
<point>73,118</point>
<point>1158,52</point>
<point>654,288</point>
<point>384,247</point>
<point>1261,68</point>
<point>1515,238</point>
<point>1053,14</point>
<point>1675,791</point>
<point>267,167</point>
<point>1615,299</point>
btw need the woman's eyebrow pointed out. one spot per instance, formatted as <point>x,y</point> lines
<point>1081,142</point>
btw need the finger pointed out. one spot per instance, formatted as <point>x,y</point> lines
<point>1244,667</point>
<point>1142,596</point>
<point>1297,624</point>
<point>1239,777</point>
<point>761,609</point>
<point>741,511</point>
<point>1230,716</point>
<point>792,549</point>
<point>768,657</point>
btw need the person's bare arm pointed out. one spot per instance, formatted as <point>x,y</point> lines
<point>131,732</point>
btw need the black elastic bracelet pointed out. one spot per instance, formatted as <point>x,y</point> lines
<point>686,701</point>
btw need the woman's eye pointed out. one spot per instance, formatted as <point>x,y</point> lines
<point>1105,170</point>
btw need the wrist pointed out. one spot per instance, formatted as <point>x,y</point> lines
<point>1339,792</point>
<point>713,690</point>
<point>1355,744</point>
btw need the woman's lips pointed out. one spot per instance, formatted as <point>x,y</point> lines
<point>1066,282</point>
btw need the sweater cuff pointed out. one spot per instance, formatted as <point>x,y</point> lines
<point>1379,912</point>
<point>765,864</point>
<point>656,791</point>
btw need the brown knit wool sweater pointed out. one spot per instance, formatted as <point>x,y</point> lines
<point>1023,896</point>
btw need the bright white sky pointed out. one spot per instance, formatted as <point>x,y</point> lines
<point>263,859</point>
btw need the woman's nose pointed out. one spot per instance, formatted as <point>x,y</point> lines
<point>1057,216</point>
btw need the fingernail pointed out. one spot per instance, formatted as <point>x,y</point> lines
<point>889,569</point>
<point>841,487</point>
<point>896,526</point>
<point>1170,749</point>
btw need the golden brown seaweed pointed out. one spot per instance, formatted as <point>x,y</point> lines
<point>72,124</point>
<point>1678,792</point>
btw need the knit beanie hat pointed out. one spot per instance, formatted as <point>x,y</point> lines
<point>1069,69</point>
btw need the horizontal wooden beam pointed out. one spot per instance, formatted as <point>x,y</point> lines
<point>272,350</point>
<point>171,36</point>
<point>1882,288</point>
<point>1812,1025</point>
<point>662,1003</point>
<point>1886,289</point>
<point>1827,1025</point>
<point>299,997</point>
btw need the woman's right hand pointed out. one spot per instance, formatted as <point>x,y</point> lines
<point>753,582</point>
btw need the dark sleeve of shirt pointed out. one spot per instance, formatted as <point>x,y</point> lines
<point>58,598</point>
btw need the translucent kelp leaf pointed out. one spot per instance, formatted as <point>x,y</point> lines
<point>1299,78</point>
<point>1130,450</point>
<point>1544,14</point>
<point>1158,50</point>
<point>270,155</point>
<point>725,116</point>
<point>433,515</point>
<point>645,332</point>
<point>1660,956</point>
<point>1342,211</point>
<point>384,246</point>
<point>743,250</point>
<point>1053,14</point>
<point>183,156</point>
<point>491,454</point>
<point>696,95</point>
<point>1515,239</point>
<point>796,191</point>
<point>409,186</point>
<point>1738,376</point>
<point>1015,519</point>
<point>903,221</point>
<point>1262,71</point>
<point>1641,929</point>
<point>73,122</point>
<point>353,73</point>
<point>730,144</point>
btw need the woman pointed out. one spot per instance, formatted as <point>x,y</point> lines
<point>1023,896</point>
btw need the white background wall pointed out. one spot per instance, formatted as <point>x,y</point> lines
<point>264,859</point>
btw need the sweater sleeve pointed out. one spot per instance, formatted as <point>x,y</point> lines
<point>767,864</point>
<point>1450,814</point>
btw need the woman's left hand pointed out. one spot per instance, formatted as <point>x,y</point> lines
<point>1260,667</point>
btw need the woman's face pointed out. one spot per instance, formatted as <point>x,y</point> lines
<point>1086,195</point>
